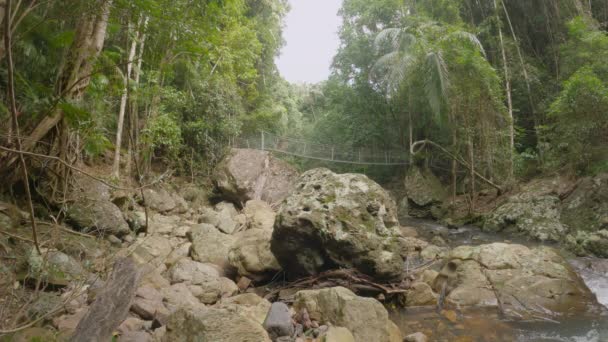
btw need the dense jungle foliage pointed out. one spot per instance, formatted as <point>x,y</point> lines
<point>503,89</point>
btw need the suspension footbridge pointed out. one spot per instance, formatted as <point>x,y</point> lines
<point>324,152</point>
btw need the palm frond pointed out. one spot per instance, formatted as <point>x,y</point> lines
<point>437,83</point>
<point>467,37</point>
<point>394,38</point>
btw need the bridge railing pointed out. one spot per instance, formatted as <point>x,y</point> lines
<point>305,149</point>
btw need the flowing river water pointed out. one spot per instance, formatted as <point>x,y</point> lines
<point>487,325</point>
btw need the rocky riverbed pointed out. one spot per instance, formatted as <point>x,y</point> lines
<point>322,257</point>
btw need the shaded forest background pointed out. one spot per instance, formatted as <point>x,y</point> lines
<point>499,89</point>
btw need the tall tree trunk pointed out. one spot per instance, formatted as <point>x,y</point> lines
<point>134,105</point>
<point>123,103</point>
<point>75,73</point>
<point>508,90</point>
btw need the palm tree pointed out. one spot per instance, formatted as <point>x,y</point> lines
<point>410,50</point>
<point>422,52</point>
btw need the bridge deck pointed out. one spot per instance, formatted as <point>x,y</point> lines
<point>329,153</point>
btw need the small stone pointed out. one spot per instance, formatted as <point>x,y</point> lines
<point>128,238</point>
<point>243,283</point>
<point>417,337</point>
<point>135,336</point>
<point>130,324</point>
<point>450,315</point>
<point>114,240</point>
<point>438,241</point>
<point>278,321</point>
<point>338,334</point>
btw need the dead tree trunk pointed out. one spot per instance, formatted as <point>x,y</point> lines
<point>111,306</point>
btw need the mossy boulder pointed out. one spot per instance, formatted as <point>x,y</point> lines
<point>535,216</point>
<point>98,217</point>
<point>338,220</point>
<point>586,208</point>
<point>583,243</point>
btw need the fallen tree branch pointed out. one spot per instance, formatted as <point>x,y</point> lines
<point>420,144</point>
<point>349,278</point>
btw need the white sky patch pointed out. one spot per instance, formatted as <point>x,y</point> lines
<point>311,36</point>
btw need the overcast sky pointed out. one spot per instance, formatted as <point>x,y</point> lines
<point>311,37</point>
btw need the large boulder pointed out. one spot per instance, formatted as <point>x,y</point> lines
<point>54,267</point>
<point>99,217</point>
<point>585,211</point>
<point>529,214</point>
<point>210,324</point>
<point>583,243</point>
<point>524,282</point>
<point>334,220</point>
<point>425,193</point>
<point>92,210</point>
<point>247,174</point>
<point>159,200</point>
<point>366,318</point>
<point>586,208</point>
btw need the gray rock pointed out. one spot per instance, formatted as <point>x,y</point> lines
<point>210,324</point>
<point>99,217</point>
<point>338,334</point>
<point>210,245</point>
<point>259,215</point>
<point>536,216</point>
<point>249,305</point>
<point>54,267</point>
<point>152,249</point>
<point>159,200</point>
<point>178,296</point>
<point>345,220</point>
<point>424,192</point>
<point>148,303</point>
<point>226,214</point>
<point>278,321</point>
<point>251,174</point>
<point>526,281</point>
<point>186,270</point>
<point>135,336</point>
<point>416,337</point>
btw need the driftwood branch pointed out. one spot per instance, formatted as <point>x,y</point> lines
<point>112,305</point>
<point>418,145</point>
<point>354,280</point>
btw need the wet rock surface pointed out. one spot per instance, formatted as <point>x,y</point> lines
<point>523,282</point>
